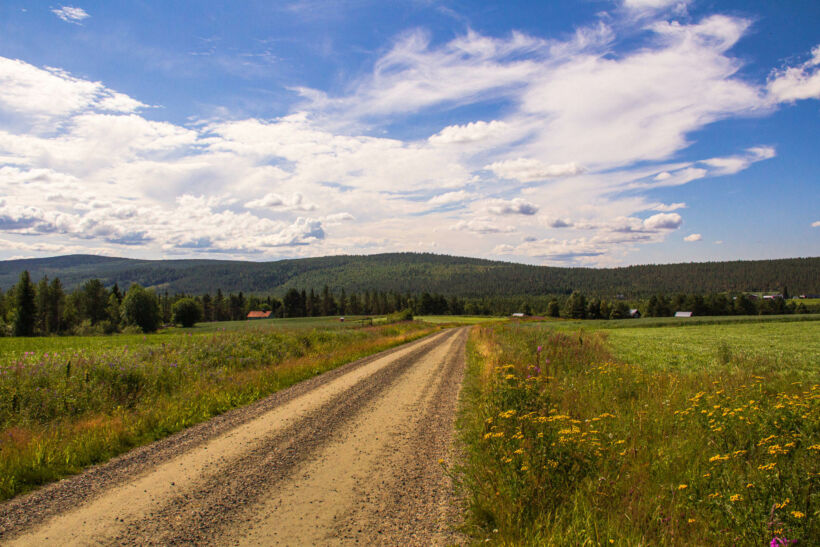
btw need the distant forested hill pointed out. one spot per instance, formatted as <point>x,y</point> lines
<point>416,273</point>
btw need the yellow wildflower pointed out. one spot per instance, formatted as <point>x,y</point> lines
<point>683,486</point>
<point>735,497</point>
<point>691,521</point>
<point>798,514</point>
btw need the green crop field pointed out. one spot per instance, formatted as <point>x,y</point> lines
<point>707,434</point>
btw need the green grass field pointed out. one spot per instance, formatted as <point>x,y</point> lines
<point>786,346</point>
<point>459,319</point>
<point>11,345</point>
<point>700,435</point>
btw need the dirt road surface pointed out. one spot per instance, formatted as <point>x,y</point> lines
<point>349,457</point>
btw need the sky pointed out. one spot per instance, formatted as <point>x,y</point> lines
<point>590,133</point>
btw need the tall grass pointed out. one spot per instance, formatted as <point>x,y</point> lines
<point>567,446</point>
<point>62,411</point>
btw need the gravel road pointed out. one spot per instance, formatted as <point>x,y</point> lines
<point>349,457</point>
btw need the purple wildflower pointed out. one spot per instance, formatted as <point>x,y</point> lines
<point>539,349</point>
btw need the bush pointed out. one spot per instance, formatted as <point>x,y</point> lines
<point>140,307</point>
<point>187,311</point>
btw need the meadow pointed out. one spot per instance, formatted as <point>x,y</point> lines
<point>69,402</point>
<point>703,435</point>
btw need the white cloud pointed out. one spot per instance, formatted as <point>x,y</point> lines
<point>103,174</point>
<point>693,237</point>
<point>516,206</point>
<point>734,164</point>
<point>815,224</point>
<point>450,197</point>
<point>471,132</point>
<point>668,208</point>
<point>70,14</point>
<point>483,226</point>
<point>274,201</point>
<point>663,221</point>
<point>530,170</point>
<point>795,83</point>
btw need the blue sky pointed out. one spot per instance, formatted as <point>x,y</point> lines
<point>593,133</point>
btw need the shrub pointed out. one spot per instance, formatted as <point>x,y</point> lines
<point>187,312</point>
<point>139,307</point>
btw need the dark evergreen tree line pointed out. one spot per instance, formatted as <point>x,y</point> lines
<point>45,308</point>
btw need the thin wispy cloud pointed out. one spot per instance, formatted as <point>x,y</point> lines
<point>71,14</point>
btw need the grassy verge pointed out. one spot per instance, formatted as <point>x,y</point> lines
<point>62,411</point>
<point>571,446</point>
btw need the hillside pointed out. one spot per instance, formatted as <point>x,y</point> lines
<point>416,273</point>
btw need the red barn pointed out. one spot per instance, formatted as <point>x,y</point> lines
<point>258,314</point>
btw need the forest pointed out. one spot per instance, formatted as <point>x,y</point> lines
<point>417,273</point>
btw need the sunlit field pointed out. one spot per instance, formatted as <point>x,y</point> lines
<point>459,319</point>
<point>68,402</point>
<point>703,435</point>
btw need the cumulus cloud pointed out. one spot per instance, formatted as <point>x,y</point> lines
<point>471,132</point>
<point>663,221</point>
<point>815,224</point>
<point>560,223</point>
<point>274,201</point>
<point>693,237</point>
<point>483,226</point>
<point>530,170</point>
<point>516,206</point>
<point>70,14</point>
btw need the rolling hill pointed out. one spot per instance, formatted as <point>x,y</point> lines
<point>420,272</point>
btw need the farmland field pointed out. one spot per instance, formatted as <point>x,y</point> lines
<point>459,319</point>
<point>67,402</point>
<point>708,434</point>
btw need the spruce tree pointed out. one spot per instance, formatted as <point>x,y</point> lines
<point>26,309</point>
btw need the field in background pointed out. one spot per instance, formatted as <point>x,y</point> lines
<point>650,322</point>
<point>67,343</point>
<point>708,434</point>
<point>68,402</point>
<point>792,347</point>
<point>459,319</point>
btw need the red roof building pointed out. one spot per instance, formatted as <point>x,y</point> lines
<point>258,314</point>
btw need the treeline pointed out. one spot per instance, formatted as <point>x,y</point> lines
<point>46,308</point>
<point>578,306</point>
<point>29,309</point>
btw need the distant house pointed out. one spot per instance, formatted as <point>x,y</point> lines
<point>683,314</point>
<point>258,314</point>
<point>772,297</point>
<point>634,313</point>
<point>518,314</point>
